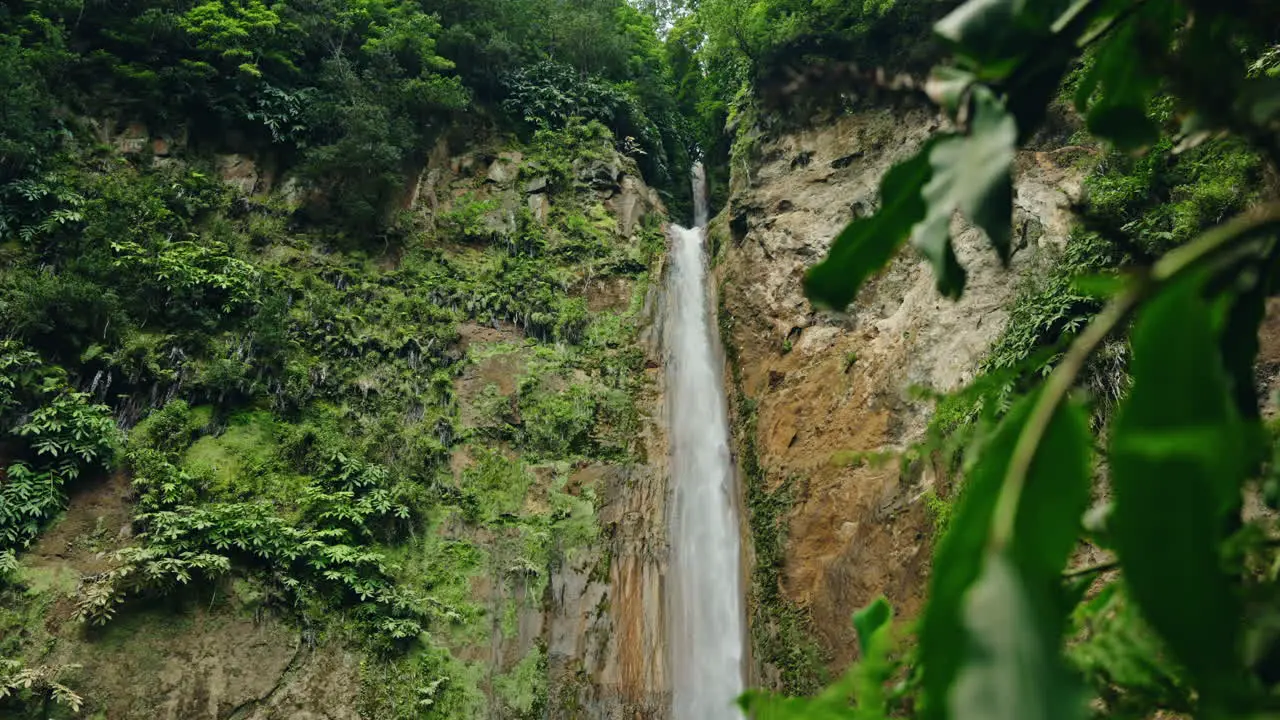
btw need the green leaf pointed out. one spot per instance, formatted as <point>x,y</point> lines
<point>1177,460</point>
<point>1098,285</point>
<point>869,620</point>
<point>873,671</point>
<point>1046,527</point>
<point>1117,89</point>
<point>986,34</point>
<point>1013,669</point>
<point>1126,126</point>
<point>866,245</point>
<point>1244,314</point>
<point>1260,101</point>
<point>970,173</point>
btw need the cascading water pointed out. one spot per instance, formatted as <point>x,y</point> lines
<point>706,628</point>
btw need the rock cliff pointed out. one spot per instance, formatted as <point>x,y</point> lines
<point>825,401</point>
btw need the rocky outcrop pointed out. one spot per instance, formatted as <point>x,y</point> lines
<point>834,391</point>
<point>601,621</point>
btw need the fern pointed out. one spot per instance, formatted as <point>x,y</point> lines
<point>21,682</point>
<point>59,435</point>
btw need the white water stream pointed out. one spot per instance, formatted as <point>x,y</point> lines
<point>706,628</point>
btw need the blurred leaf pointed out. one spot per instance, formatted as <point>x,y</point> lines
<point>1055,496</point>
<point>867,244</point>
<point>970,174</point>
<point>1013,670</point>
<point>947,86</point>
<point>1117,89</point>
<point>874,625</point>
<point>1260,101</point>
<point>1126,126</point>
<point>986,34</point>
<point>1098,285</point>
<point>1177,469</point>
<point>858,695</point>
<point>1244,313</point>
<point>871,619</point>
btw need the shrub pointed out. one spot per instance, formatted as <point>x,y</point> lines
<point>56,436</point>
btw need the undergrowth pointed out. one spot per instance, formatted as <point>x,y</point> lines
<point>781,633</point>
<point>292,412</point>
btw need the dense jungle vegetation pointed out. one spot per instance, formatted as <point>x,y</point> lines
<point>274,375</point>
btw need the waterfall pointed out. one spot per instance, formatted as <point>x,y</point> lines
<point>706,627</point>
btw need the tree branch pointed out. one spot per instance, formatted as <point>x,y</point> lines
<point>1170,268</point>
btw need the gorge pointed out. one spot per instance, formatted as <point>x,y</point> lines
<point>355,363</point>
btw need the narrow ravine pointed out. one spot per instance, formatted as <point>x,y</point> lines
<point>705,602</point>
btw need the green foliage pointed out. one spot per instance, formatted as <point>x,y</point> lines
<point>1119,654</point>
<point>352,94</point>
<point>314,554</point>
<point>556,151</point>
<point>940,511</point>
<point>429,685</point>
<point>860,694</point>
<point>467,219</point>
<point>550,95</point>
<point>1184,455</point>
<point>239,32</point>
<point>523,690</point>
<point>290,364</point>
<point>53,436</point>
<point>21,684</point>
<point>1183,441</point>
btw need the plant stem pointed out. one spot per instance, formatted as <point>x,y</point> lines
<point>1109,565</point>
<point>1097,569</point>
<point>1167,270</point>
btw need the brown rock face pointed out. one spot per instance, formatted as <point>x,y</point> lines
<point>834,390</point>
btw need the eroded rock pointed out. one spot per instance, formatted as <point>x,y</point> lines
<point>857,529</point>
<point>239,171</point>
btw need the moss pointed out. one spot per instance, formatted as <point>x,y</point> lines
<point>522,691</point>
<point>52,579</point>
<point>781,632</point>
<point>242,459</point>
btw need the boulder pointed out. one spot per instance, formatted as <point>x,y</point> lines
<point>505,168</point>
<point>238,171</point>
<point>538,184</point>
<point>630,205</point>
<point>133,139</point>
<point>539,207</point>
<point>600,174</point>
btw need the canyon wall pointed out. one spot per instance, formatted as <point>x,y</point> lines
<point>826,402</point>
